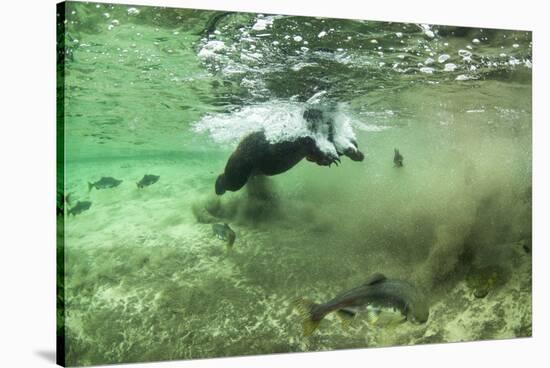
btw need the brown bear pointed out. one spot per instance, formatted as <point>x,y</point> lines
<point>255,155</point>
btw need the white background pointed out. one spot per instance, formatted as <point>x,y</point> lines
<point>27,181</point>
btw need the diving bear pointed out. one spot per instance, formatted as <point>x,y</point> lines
<point>255,155</point>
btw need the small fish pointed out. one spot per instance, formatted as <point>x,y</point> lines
<point>79,207</point>
<point>104,182</point>
<point>224,232</point>
<point>377,293</point>
<point>397,158</point>
<point>148,180</point>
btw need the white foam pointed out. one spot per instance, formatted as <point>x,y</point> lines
<point>262,23</point>
<point>300,66</point>
<point>513,61</point>
<point>371,128</point>
<point>316,98</point>
<point>280,121</point>
<point>343,131</point>
<point>426,28</point>
<point>253,57</point>
<point>210,49</point>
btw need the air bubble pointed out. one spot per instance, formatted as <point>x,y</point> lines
<point>450,67</point>
<point>464,53</point>
<point>443,58</point>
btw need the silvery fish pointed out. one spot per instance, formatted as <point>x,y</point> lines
<point>79,207</point>
<point>224,232</point>
<point>104,182</point>
<point>377,293</point>
<point>148,180</point>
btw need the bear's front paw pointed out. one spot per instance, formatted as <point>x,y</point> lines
<point>354,154</point>
<point>328,160</point>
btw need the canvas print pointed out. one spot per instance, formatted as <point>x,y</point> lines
<point>233,184</point>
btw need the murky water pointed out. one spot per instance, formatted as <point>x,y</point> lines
<point>170,92</point>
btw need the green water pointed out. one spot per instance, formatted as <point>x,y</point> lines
<point>170,92</point>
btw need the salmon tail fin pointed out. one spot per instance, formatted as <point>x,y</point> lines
<point>346,318</point>
<point>305,309</point>
<point>309,326</point>
<point>90,186</point>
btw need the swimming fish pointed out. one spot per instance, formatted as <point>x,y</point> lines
<point>104,182</point>
<point>224,232</point>
<point>148,180</point>
<point>378,292</point>
<point>397,158</point>
<point>79,207</point>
